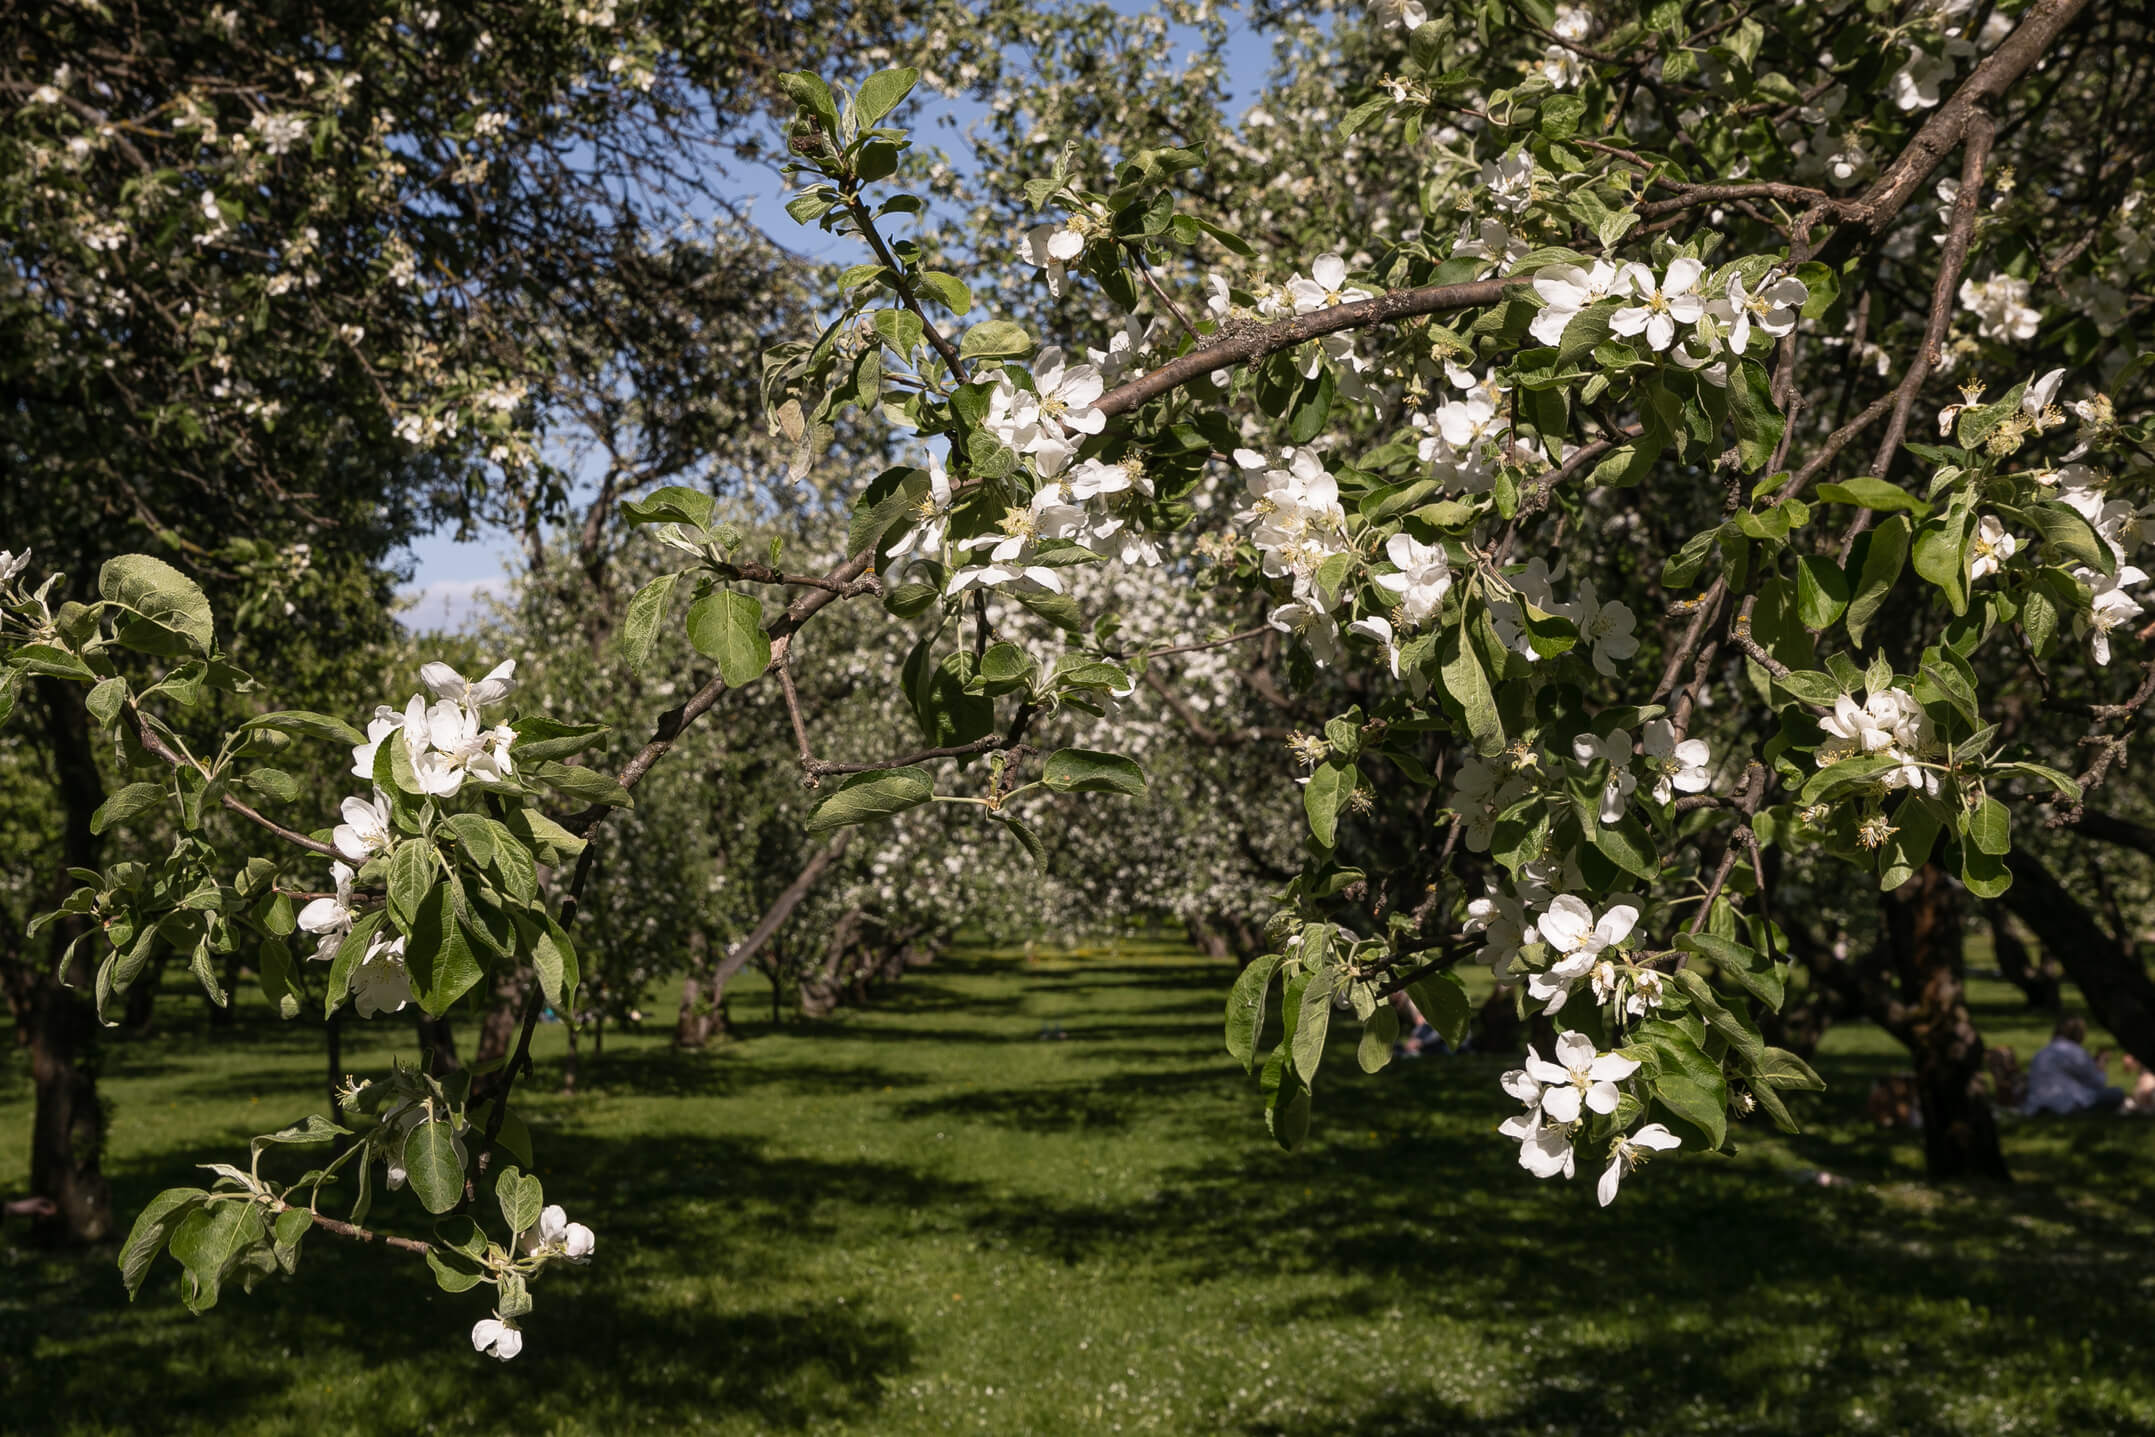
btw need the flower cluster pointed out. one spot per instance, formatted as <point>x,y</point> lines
<point>1559,1095</point>
<point>446,744</point>
<point>1888,722</point>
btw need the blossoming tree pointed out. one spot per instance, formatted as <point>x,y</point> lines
<point>1598,459</point>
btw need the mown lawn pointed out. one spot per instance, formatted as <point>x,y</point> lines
<point>928,1216</point>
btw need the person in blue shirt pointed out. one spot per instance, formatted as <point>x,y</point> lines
<point>2064,1078</point>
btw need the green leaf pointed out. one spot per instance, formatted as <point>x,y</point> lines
<point>1877,560</point>
<point>996,339</point>
<point>1246,1008</point>
<point>811,94</point>
<point>728,626</point>
<point>208,1243</point>
<point>866,797</point>
<point>1696,1103</point>
<point>432,1167</point>
<point>1821,591</point>
<point>152,1230</point>
<point>1875,494</point>
<point>1442,1000</point>
<point>280,985</point>
<point>881,92</point>
<point>554,956</point>
<point>129,801</point>
<point>1023,833</point>
<point>1379,1031</point>
<point>1989,827</point>
<point>947,288</point>
<point>1082,770</point>
<point>1329,787</point>
<point>311,1131</point>
<point>2063,528</point>
<point>349,953</point>
<point>672,504</point>
<point>573,781</point>
<point>1468,687</point>
<point>308,724</point>
<point>1940,554</point>
<point>640,626</point>
<point>1746,967</point>
<point>160,593</point>
<point>411,876</point>
<point>1847,773</point>
<point>105,701</point>
<point>438,955</point>
<point>522,1197</point>
<point>1757,423</point>
<point>453,1271</point>
<point>1630,845</point>
<point>1313,1020</point>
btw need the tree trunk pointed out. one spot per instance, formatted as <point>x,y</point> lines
<point>2114,982</point>
<point>568,1064</point>
<point>2036,977</point>
<point>437,1040</point>
<point>1923,940</point>
<point>142,997</point>
<point>497,1030</point>
<point>703,1010</point>
<point>68,1133</point>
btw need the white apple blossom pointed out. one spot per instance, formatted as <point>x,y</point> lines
<point>1565,289</point>
<point>385,722</point>
<point>1480,792</point>
<point>1544,1151</point>
<point>1423,579</point>
<point>1509,181</point>
<point>1640,988</point>
<point>496,1338</point>
<point>1774,309</point>
<point>553,1234</point>
<point>1606,628</point>
<point>1307,620</point>
<point>1663,306</point>
<point>12,564</point>
<point>1677,766</point>
<point>1326,287</point>
<point>1589,749</point>
<point>1990,548</point>
<point>2110,608</point>
<point>330,918</point>
<point>474,694</point>
<point>1628,1154</point>
<point>2001,308</point>
<point>930,516</point>
<point>1051,247</point>
<point>1579,1079</point>
<point>1915,85</point>
<point>1408,15</point>
<point>365,830</point>
<point>1575,939</point>
<point>381,983</point>
<point>1380,630</point>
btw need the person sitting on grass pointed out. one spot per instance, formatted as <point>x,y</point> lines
<point>2141,1102</point>
<point>2064,1078</point>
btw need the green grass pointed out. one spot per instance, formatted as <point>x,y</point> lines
<point>923,1218</point>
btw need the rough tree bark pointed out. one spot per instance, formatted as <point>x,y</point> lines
<point>68,1133</point>
<point>2035,976</point>
<point>2117,987</point>
<point>703,1004</point>
<point>1923,942</point>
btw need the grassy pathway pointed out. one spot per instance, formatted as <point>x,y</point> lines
<point>930,1217</point>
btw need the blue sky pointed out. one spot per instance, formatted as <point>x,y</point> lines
<point>451,579</point>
